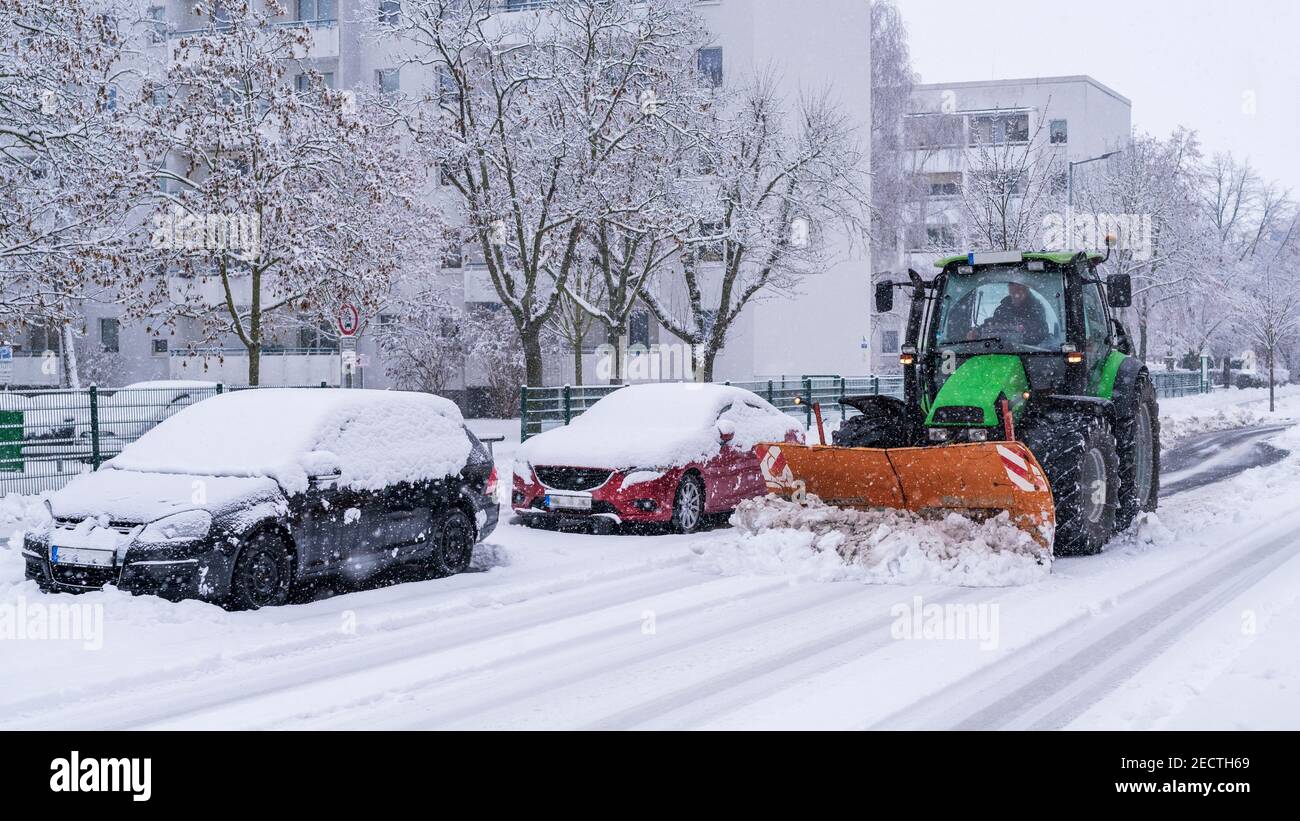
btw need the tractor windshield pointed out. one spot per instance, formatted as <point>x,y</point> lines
<point>1003,307</point>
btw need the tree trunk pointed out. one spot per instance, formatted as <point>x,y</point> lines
<point>532,344</point>
<point>254,365</point>
<point>1272,404</point>
<point>73,371</point>
<point>1227,371</point>
<point>617,338</point>
<point>1142,339</point>
<point>577,364</point>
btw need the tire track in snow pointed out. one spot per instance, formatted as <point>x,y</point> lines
<point>205,683</point>
<point>532,675</point>
<point>737,688</point>
<point>1055,680</point>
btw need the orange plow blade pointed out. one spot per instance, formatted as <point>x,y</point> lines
<point>978,480</point>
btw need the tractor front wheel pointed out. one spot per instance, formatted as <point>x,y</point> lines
<point>1080,459</point>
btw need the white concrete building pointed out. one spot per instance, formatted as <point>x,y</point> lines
<point>1074,118</point>
<point>810,45</point>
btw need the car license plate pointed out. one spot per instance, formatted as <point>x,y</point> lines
<point>81,556</point>
<point>557,502</point>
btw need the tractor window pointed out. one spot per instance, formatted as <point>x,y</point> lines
<point>1007,306</point>
<point>1096,328</point>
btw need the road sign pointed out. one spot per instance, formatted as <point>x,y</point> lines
<point>349,320</point>
<point>6,363</point>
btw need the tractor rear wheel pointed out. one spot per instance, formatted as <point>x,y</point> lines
<point>1139,458</point>
<point>1079,456</point>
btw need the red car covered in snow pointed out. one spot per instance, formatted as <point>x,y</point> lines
<point>662,453</point>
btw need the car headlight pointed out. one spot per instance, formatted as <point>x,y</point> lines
<point>640,476</point>
<point>524,471</point>
<point>176,528</point>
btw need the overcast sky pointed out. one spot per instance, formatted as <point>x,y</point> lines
<point>1181,62</point>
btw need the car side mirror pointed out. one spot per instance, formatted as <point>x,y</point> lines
<point>884,297</point>
<point>726,431</point>
<point>1119,290</point>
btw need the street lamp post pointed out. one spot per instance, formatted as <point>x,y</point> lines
<point>1069,191</point>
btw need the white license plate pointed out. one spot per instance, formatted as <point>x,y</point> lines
<point>81,556</point>
<point>555,502</point>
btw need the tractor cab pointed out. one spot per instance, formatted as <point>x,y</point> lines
<point>992,330</point>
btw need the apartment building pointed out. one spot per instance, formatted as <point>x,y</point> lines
<point>810,46</point>
<point>1072,119</point>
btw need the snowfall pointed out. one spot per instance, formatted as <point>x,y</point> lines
<point>792,618</point>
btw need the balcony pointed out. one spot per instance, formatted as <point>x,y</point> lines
<point>324,32</point>
<point>287,366</point>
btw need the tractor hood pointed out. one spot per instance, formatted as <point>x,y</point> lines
<point>969,397</point>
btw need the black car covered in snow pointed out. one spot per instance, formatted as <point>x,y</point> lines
<point>240,497</point>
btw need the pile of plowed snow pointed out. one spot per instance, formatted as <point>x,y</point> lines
<point>817,541</point>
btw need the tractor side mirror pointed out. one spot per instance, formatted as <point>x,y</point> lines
<point>884,297</point>
<point>1119,290</point>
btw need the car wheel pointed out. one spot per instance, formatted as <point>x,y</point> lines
<point>263,574</point>
<point>453,543</point>
<point>688,504</point>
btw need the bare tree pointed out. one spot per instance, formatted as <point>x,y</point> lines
<point>536,113</point>
<point>425,344</point>
<point>71,174</point>
<point>1010,187</point>
<point>289,197</point>
<point>779,176</point>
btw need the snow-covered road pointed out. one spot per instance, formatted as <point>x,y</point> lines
<point>1189,621</point>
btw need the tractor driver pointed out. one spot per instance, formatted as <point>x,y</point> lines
<point>1019,313</point>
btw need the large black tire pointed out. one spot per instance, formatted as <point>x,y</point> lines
<point>451,543</point>
<point>1079,456</point>
<point>865,432</point>
<point>688,504</point>
<point>1138,439</point>
<point>263,574</point>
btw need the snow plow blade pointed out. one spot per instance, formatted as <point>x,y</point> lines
<point>977,480</point>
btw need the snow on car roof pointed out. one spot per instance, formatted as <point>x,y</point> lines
<point>374,438</point>
<point>657,425</point>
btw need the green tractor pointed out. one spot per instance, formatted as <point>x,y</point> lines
<point>1018,380</point>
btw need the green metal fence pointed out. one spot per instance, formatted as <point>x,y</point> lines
<point>49,436</point>
<point>542,408</point>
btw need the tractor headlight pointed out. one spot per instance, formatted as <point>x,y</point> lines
<point>977,434</point>
<point>939,434</point>
<point>176,528</point>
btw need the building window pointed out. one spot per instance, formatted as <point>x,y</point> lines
<point>157,31</point>
<point>389,11</point>
<point>996,129</point>
<point>108,334</point>
<point>455,257</point>
<point>160,347</point>
<point>317,10</point>
<point>889,341</point>
<point>940,236</point>
<point>709,61</point>
<point>933,130</point>
<point>220,14</point>
<point>944,185</point>
<point>43,336</point>
<point>315,336</point>
<point>1058,132</point>
<point>639,329</point>
<point>387,80</point>
<point>710,251</point>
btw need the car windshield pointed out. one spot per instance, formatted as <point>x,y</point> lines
<point>1002,307</point>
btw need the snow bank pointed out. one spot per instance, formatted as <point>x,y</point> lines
<point>374,438</point>
<point>659,425</point>
<point>1188,416</point>
<point>776,537</point>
